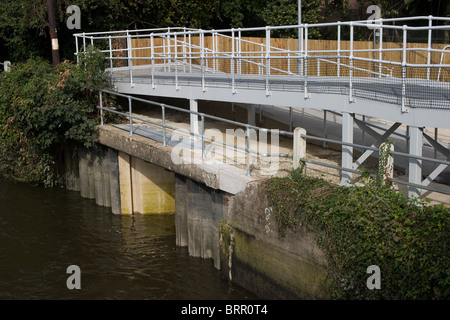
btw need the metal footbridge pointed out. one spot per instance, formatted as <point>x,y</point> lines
<point>389,77</point>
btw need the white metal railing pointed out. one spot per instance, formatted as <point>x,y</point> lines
<point>194,51</point>
<point>249,133</point>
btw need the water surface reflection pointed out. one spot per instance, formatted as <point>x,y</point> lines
<point>43,231</point>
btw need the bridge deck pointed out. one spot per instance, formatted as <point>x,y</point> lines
<point>427,101</point>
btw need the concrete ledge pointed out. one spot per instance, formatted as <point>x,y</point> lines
<point>216,176</point>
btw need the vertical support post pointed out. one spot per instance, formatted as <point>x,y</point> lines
<point>184,49</point>
<point>318,67</point>
<point>347,151</point>
<point>299,149</point>
<point>404,109</point>
<point>415,165</point>
<point>260,114</point>
<point>305,67</point>
<point>233,49</point>
<point>163,111</point>
<point>380,49</point>
<point>152,53</point>
<point>130,58</point>
<point>430,24</point>
<point>164,52</point>
<point>363,131</point>
<point>260,67</point>
<point>268,93</point>
<point>193,106</point>
<point>100,99</point>
<point>435,138</point>
<point>251,118</point>
<point>76,49</point>
<point>325,129</point>
<point>190,52</point>
<point>300,38</point>
<point>290,119</point>
<point>169,53</point>
<point>239,69</point>
<point>203,135</point>
<point>130,113</point>
<point>53,32</point>
<point>247,150</point>
<point>339,49</point>
<point>202,57</point>
<point>110,53</point>
<point>350,86</point>
<point>175,62</point>
<point>214,50</point>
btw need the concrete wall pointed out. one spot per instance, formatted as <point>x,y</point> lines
<point>94,173</point>
<point>253,254</point>
<point>234,226</point>
<point>198,211</point>
<point>115,179</point>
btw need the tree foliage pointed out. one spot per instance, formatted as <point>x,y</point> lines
<point>42,108</point>
<point>24,26</point>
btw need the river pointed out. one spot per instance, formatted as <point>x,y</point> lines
<point>44,231</point>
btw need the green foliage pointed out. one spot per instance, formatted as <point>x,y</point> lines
<point>369,225</point>
<point>42,108</point>
<point>284,12</point>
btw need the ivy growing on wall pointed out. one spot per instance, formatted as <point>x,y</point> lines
<point>370,225</point>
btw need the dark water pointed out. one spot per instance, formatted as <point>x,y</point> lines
<point>44,231</point>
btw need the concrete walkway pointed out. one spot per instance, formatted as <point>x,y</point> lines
<point>312,121</point>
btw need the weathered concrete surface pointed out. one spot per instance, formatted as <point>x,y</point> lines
<point>254,255</point>
<point>198,211</point>
<point>153,188</point>
<point>72,172</point>
<point>95,173</point>
<point>216,176</point>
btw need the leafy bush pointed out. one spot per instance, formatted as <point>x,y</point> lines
<point>369,225</point>
<point>42,108</point>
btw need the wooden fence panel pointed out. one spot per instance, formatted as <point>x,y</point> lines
<point>253,56</point>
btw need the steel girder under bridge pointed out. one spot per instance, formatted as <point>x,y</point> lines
<point>402,82</point>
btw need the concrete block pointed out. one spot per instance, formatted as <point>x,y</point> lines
<point>114,181</point>
<point>299,150</point>
<point>181,223</point>
<point>126,198</point>
<point>153,188</point>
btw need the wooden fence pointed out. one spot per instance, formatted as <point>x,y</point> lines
<point>252,52</point>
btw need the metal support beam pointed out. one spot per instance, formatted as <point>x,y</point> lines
<point>251,114</point>
<point>347,151</point>
<point>415,165</point>
<point>437,148</point>
<point>193,106</point>
<point>379,139</point>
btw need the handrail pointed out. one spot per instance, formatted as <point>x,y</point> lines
<point>377,23</point>
<point>201,135</point>
<point>247,149</point>
<point>442,59</point>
